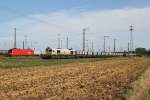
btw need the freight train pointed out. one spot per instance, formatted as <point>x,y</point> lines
<point>52,53</point>
<point>59,53</point>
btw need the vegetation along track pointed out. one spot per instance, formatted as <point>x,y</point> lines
<point>99,80</point>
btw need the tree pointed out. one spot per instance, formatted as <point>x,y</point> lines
<point>141,51</point>
<point>148,52</point>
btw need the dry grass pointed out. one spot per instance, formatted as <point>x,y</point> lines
<point>104,80</point>
<point>141,87</point>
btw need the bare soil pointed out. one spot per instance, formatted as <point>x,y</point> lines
<point>99,80</point>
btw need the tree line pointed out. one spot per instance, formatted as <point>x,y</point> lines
<point>142,52</point>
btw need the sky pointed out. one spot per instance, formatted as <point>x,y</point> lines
<point>40,22</point>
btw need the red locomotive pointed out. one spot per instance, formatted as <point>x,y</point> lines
<point>21,52</point>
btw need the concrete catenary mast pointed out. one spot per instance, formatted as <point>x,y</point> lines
<point>15,43</point>
<point>131,38</point>
<point>67,42</point>
<point>84,30</point>
<point>105,42</point>
<point>115,45</point>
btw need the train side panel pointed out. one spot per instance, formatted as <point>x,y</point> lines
<point>21,52</point>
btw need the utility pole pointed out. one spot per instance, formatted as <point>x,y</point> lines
<point>131,38</point>
<point>87,45</point>
<point>92,46</point>
<point>23,44</point>
<point>84,39</point>
<point>128,47</point>
<point>31,45</point>
<point>61,44</point>
<point>109,47</point>
<point>67,45</point>
<point>84,30</point>
<point>59,41</point>
<point>15,45</point>
<point>105,42</point>
<point>115,45</point>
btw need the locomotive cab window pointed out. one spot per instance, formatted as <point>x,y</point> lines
<point>58,51</point>
<point>71,52</point>
<point>50,50</point>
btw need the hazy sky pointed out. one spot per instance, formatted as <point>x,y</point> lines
<point>42,20</point>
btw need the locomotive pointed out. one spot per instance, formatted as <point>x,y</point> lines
<point>53,53</point>
<point>21,52</point>
<point>60,51</point>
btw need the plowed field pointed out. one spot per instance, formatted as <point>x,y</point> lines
<point>99,80</point>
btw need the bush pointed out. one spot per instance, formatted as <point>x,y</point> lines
<point>141,51</point>
<point>148,53</point>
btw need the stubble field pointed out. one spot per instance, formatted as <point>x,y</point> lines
<point>99,80</point>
